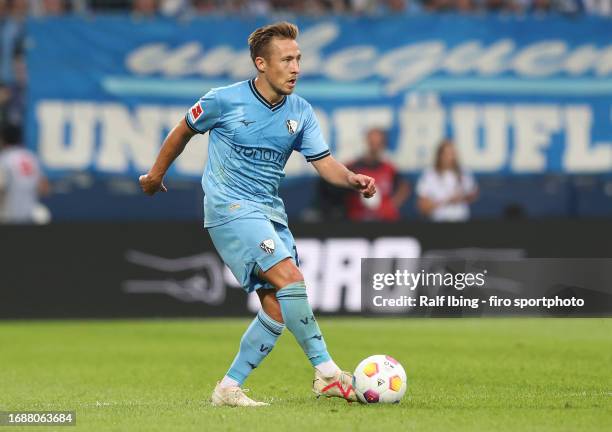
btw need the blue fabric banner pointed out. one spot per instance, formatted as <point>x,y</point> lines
<point>518,96</point>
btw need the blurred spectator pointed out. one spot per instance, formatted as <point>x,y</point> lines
<point>601,7</point>
<point>541,6</point>
<point>21,181</point>
<point>445,191</point>
<point>109,5</point>
<point>365,7</point>
<point>173,7</point>
<point>438,5</point>
<point>204,7</point>
<point>53,7</point>
<point>145,8</point>
<point>501,6</point>
<point>12,35</point>
<point>392,190</point>
<point>257,7</point>
<point>148,8</point>
<point>465,6</point>
<point>394,7</point>
<point>12,96</point>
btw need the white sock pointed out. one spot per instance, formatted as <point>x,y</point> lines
<point>328,368</point>
<point>228,382</point>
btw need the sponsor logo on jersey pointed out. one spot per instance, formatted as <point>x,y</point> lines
<point>291,126</point>
<point>196,111</point>
<point>260,154</point>
<point>267,246</point>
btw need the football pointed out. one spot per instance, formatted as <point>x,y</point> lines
<point>379,379</point>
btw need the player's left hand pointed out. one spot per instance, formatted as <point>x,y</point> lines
<point>364,184</point>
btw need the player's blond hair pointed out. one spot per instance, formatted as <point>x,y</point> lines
<point>260,38</point>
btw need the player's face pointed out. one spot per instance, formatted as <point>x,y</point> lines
<point>282,65</point>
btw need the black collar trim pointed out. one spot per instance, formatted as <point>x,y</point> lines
<point>263,99</point>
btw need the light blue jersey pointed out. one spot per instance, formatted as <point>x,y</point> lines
<point>249,145</point>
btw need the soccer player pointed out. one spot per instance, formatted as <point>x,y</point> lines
<point>254,127</point>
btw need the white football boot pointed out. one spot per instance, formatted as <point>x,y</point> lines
<point>340,385</point>
<point>233,396</point>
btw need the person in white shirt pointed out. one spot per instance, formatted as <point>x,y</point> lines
<point>445,191</point>
<point>21,180</point>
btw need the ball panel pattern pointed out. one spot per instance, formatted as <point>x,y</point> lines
<point>371,396</point>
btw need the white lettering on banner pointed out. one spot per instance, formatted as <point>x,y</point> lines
<point>462,60</point>
<point>332,268</point>
<point>128,138</point>
<point>581,60</point>
<point>604,66</point>
<point>579,155</point>
<point>533,129</point>
<point>422,126</point>
<point>409,64</point>
<point>66,134</point>
<point>312,42</point>
<point>401,67</point>
<point>354,63</point>
<point>495,59</point>
<point>467,121</point>
<point>67,137</point>
<point>540,59</point>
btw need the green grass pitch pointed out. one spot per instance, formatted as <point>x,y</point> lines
<point>463,374</point>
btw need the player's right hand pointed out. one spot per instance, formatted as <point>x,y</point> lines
<point>151,185</point>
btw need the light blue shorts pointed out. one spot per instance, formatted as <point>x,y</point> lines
<point>251,243</point>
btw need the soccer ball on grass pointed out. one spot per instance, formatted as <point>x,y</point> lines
<point>379,379</point>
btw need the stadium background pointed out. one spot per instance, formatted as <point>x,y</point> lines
<point>523,87</point>
<point>524,92</point>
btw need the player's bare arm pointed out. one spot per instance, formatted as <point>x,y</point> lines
<point>337,174</point>
<point>173,146</point>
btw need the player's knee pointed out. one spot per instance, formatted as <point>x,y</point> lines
<point>291,275</point>
<point>285,273</point>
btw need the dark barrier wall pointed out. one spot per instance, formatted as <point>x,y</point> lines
<point>171,269</point>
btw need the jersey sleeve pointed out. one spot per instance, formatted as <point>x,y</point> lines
<point>311,143</point>
<point>205,113</point>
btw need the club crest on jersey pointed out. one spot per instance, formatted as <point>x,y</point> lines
<point>267,246</point>
<point>291,126</point>
<point>196,111</point>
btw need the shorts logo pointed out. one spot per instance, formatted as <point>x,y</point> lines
<point>196,111</point>
<point>267,246</point>
<point>291,126</point>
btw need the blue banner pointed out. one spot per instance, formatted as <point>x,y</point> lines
<point>518,96</point>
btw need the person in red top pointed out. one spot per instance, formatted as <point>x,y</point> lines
<point>393,191</point>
